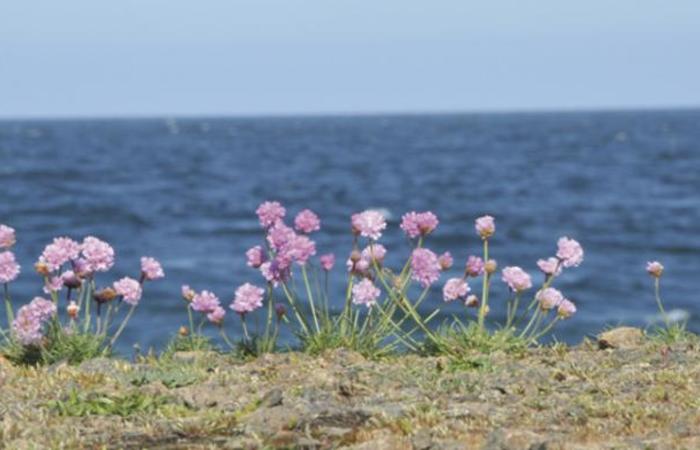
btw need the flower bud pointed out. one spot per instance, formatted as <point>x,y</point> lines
<point>183,331</point>
<point>188,293</point>
<point>655,269</point>
<point>42,269</point>
<point>355,256</point>
<point>472,301</point>
<point>72,309</point>
<point>70,280</point>
<point>280,310</point>
<point>105,295</point>
<point>490,266</point>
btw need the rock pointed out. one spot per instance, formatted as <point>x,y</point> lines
<point>98,365</point>
<point>515,440</point>
<point>621,337</point>
<point>273,398</point>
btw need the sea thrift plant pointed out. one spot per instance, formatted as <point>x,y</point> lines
<point>69,268</point>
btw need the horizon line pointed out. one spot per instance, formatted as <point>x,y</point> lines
<point>349,114</point>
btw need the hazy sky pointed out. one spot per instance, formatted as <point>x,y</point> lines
<point>176,57</point>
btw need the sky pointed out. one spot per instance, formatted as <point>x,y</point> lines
<point>87,58</point>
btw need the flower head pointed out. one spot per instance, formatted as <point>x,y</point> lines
<point>655,269</point>
<point>53,284</point>
<point>475,266</point>
<point>216,316</point>
<point>269,213</point>
<point>151,268</point>
<point>70,279</point>
<point>490,266</point>
<point>549,298</point>
<point>204,302</point>
<point>374,253</point>
<point>419,224</point>
<point>280,235</point>
<point>327,261</point>
<point>425,266</point>
<point>43,309</point>
<point>188,293</point>
<point>27,327</point>
<point>550,266</point>
<point>72,309</point>
<point>275,271</point>
<point>299,249</point>
<point>365,293</point>
<point>455,288</point>
<point>517,279</point>
<point>566,309</point>
<point>369,224</point>
<point>98,255</point>
<point>255,256</point>
<point>9,269</point>
<point>129,289</point>
<point>569,252</point>
<point>247,299</point>
<point>59,252</point>
<point>445,260</point>
<point>7,236</point>
<point>485,226</point>
<point>307,222</point>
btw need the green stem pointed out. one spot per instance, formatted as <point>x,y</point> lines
<point>513,309</point>
<point>529,324</point>
<point>226,338</point>
<point>245,328</point>
<point>88,295</point>
<point>297,313</point>
<point>310,297</point>
<point>484,288</point>
<point>659,303</point>
<point>189,315</point>
<point>545,330</point>
<point>121,327</point>
<point>8,306</point>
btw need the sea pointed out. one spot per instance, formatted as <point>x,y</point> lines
<point>625,184</point>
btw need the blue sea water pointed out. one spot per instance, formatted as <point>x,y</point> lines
<point>625,184</point>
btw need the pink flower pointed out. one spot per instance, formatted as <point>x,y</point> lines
<point>255,256</point>
<point>299,249</point>
<point>655,269</point>
<point>59,252</point>
<point>550,266</point>
<point>307,222</point>
<point>279,235</point>
<point>205,302</point>
<point>425,267</point>
<point>270,213</point>
<point>517,279</point>
<point>129,289</point>
<point>99,255</point>
<point>569,252</point>
<point>151,268</point>
<point>549,298</point>
<point>365,293</point>
<point>9,269</point>
<point>43,309</point>
<point>327,261</point>
<point>475,266</point>
<point>566,309</point>
<point>188,294</point>
<point>53,284</point>
<point>485,226</point>
<point>70,279</point>
<point>419,224</point>
<point>369,224</point>
<point>455,288</point>
<point>7,236</point>
<point>217,315</point>
<point>374,252</point>
<point>27,327</point>
<point>275,271</point>
<point>445,260</point>
<point>248,298</point>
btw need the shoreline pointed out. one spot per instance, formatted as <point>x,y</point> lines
<point>625,391</point>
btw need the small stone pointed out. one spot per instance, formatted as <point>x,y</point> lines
<point>273,398</point>
<point>621,337</point>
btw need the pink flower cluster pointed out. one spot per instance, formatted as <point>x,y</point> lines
<point>569,252</point>
<point>269,213</point>
<point>59,252</point>
<point>365,293</point>
<point>129,289</point>
<point>455,288</point>
<point>655,269</point>
<point>7,236</point>
<point>475,266</point>
<point>369,224</point>
<point>549,298</point>
<point>307,222</point>
<point>416,224</point>
<point>327,261</point>
<point>485,226</point>
<point>247,299</point>
<point>516,278</point>
<point>151,269</point>
<point>9,269</point>
<point>98,255</point>
<point>550,266</point>
<point>204,302</point>
<point>27,326</point>
<point>425,267</point>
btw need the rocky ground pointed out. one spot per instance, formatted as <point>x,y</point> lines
<point>633,393</point>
